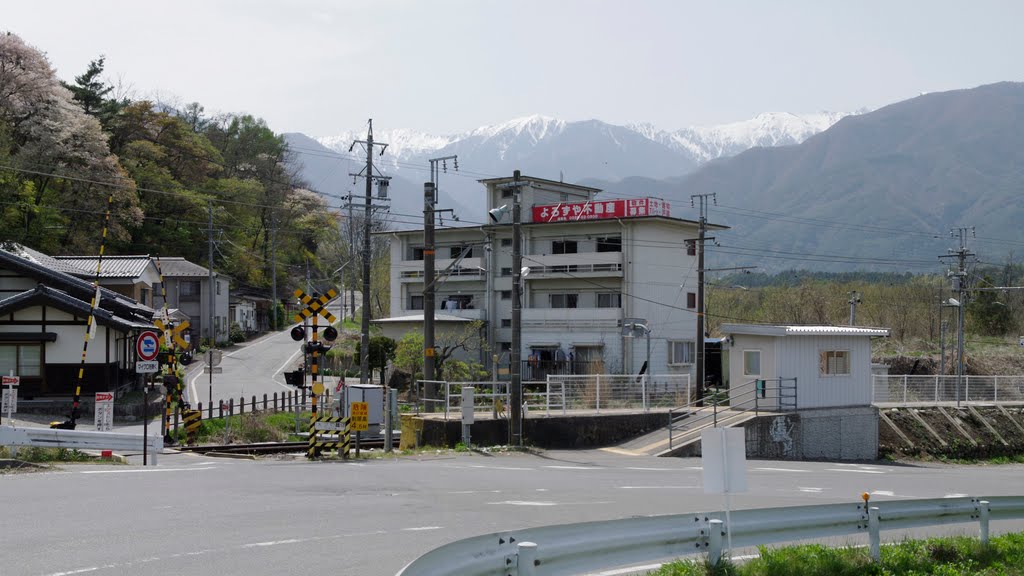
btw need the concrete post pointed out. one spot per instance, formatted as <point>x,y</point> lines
<point>714,542</point>
<point>527,564</point>
<point>874,537</point>
<point>983,505</point>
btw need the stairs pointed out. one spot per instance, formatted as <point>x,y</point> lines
<point>685,433</point>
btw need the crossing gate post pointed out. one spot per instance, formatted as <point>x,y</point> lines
<point>193,421</point>
<point>338,426</point>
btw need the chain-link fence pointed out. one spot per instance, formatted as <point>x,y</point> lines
<point>909,389</point>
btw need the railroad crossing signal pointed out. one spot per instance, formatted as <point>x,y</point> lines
<point>315,305</point>
<point>174,333</point>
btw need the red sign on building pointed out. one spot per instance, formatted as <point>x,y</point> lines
<point>600,210</point>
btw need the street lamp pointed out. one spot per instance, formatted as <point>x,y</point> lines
<point>959,305</point>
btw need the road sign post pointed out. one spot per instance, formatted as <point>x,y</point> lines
<point>104,411</point>
<point>10,395</point>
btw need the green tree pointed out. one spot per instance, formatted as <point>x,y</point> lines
<point>987,314</point>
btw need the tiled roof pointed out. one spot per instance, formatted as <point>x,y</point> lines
<point>47,270</point>
<point>51,296</point>
<point>178,267</point>
<point>111,267</point>
<point>46,260</point>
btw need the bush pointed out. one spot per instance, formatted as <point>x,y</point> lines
<point>236,334</point>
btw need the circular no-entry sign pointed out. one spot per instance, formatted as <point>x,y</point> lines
<point>148,345</point>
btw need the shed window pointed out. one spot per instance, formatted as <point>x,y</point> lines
<point>834,363</point>
<point>681,352</point>
<point>751,362</point>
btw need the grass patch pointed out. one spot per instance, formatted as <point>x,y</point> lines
<point>953,556</point>
<point>250,428</point>
<point>39,455</point>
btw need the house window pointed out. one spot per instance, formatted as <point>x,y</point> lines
<point>144,296</point>
<point>506,192</point>
<point>609,300</point>
<point>505,346</point>
<point>564,300</point>
<point>506,294</point>
<point>506,242</point>
<point>416,253</point>
<point>416,302</point>
<point>563,246</point>
<point>751,362</point>
<point>691,300</point>
<point>189,289</point>
<point>691,247</point>
<point>681,352</point>
<point>22,358</point>
<point>457,302</point>
<point>218,288</point>
<point>506,271</point>
<point>457,250</point>
<point>609,244</point>
<point>834,363</point>
<point>506,322</point>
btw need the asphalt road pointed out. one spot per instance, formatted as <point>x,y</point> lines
<point>206,516</point>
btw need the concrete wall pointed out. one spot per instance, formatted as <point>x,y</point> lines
<point>823,434</point>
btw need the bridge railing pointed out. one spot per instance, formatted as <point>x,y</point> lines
<point>928,389</point>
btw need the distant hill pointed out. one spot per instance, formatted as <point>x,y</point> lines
<point>879,187</point>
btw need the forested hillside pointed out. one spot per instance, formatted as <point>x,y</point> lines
<point>65,148</point>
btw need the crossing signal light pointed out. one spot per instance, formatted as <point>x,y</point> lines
<point>330,333</point>
<point>318,347</point>
<point>298,333</point>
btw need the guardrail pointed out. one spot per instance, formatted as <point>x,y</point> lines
<point>590,546</point>
<point>79,440</point>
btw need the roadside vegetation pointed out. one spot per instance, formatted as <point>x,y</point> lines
<point>36,455</point>
<point>953,556</point>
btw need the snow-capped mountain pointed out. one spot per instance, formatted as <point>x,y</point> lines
<point>698,144</point>
<point>770,129</point>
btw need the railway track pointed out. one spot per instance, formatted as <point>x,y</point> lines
<point>271,447</point>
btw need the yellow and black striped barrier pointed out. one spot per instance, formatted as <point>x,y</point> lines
<point>328,425</point>
<point>193,421</point>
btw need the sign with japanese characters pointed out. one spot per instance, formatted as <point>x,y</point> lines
<point>360,413</point>
<point>601,209</point>
<point>104,411</point>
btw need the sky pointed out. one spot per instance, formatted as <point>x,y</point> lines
<point>446,66</point>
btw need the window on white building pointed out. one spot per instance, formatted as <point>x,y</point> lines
<point>506,294</point>
<point>506,322</point>
<point>563,246</point>
<point>613,300</point>
<point>609,244</point>
<point>456,250</point>
<point>416,302</point>
<point>564,300</point>
<point>751,362</point>
<point>681,352</point>
<point>834,363</point>
<point>506,271</point>
<point>506,242</point>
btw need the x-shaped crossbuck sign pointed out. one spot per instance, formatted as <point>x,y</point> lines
<point>316,305</point>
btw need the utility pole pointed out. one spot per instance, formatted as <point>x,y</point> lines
<point>428,290</point>
<point>351,252</point>
<point>213,291</point>
<point>960,287</point>
<point>854,300</point>
<point>516,391</point>
<point>273,269</point>
<point>699,367</point>
<point>429,258</point>
<point>364,361</point>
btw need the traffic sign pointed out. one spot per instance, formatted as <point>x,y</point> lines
<point>318,388</point>
<point>318,425</point>
<point>360,412</point>
<point>147,366</point>
<point>147,345</point>
<point>315,305</point>
<point>213,370</point>
<point>176,334</point>
<point>104,411</point>
<point>10,380</point>
<point>213,357</point>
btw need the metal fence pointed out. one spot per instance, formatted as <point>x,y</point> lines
<point>592,546</point>
<point>908,389</point>
<point>561,393</point>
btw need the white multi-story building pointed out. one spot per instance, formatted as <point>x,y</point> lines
<point>593,264</point>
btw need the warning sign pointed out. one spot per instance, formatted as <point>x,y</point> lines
<point>360,413</point>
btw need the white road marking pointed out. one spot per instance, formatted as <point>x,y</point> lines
<point>541,490</point>
<point>854,470</point>
<point>278,371</point>
<point>525,503</point>
<point>810,489</point>
<point>956,495</point>
<point>146,470</point>
<point>572,467</point>
<point>883,493</point>
<point>498,467</point>
<point>780,470</point>
<point>651,469</point>
<point>79,571</point>
<point>476,492</point>
<point>674,487</point>
<point>272,543</point>
<point>421,528</point>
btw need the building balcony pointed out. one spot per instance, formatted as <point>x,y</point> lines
<point>570,318</point>
<point>585,265</point>
<point>469,269</point>
<point>467,313</point>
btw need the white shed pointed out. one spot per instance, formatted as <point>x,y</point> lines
<point>831,365</point>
